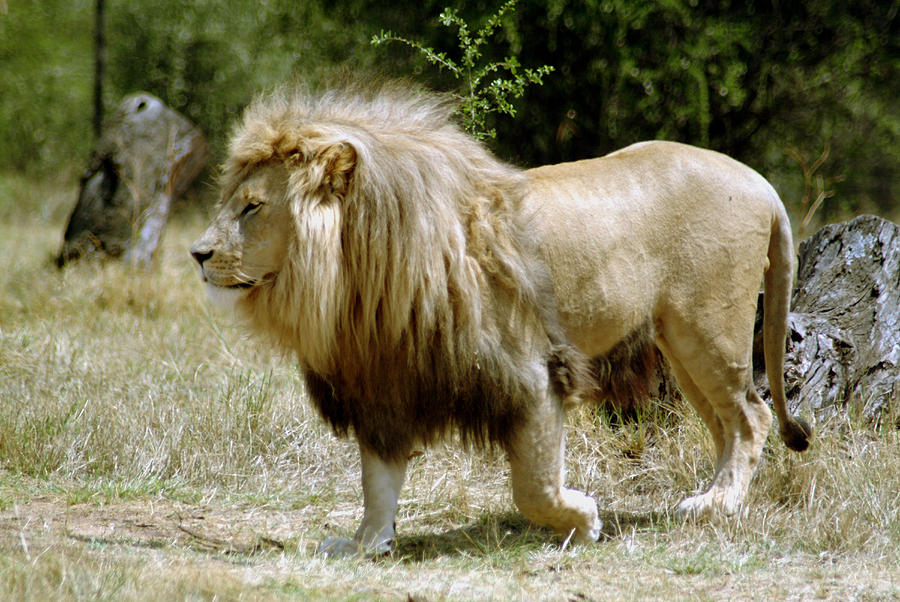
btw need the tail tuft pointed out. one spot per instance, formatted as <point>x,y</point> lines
<point>796,432</point>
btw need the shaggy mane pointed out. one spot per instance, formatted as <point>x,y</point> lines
<point>412,294</point>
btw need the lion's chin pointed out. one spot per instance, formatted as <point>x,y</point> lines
<point>225,297</point>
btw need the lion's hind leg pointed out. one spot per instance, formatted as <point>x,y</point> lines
<point>698,400</point>
<point>717,380</point>
<point>536,456</point>
<point>745,432</point>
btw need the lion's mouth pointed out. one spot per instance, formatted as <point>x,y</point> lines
<point>228,282</point>
<point>236,286</point>
<point>237,283</point>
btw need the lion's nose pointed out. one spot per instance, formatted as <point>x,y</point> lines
<point>201,255</point>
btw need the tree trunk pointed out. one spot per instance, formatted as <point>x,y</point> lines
<point>99,65</point>
<point>148,155</point>
<point>843,353</point>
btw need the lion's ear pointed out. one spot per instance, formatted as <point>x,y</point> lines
<point>337,162</point>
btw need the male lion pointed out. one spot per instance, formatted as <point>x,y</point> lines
<point>426,286</point>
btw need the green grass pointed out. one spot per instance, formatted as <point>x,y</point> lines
<point>148,450</point>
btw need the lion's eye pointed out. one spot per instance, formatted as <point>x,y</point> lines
<point>251,208</point>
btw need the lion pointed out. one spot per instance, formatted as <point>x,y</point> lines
<point>427,287</point>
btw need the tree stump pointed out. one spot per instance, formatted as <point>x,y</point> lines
<point>843,353</point>
<point>147,156</point>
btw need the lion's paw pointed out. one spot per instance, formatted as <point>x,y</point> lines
<point>582,509</point>
<point>340,547</point>
<point>726,503</point>
<point>343,547</point>
<point>694,507</point>
<point>591,535</point>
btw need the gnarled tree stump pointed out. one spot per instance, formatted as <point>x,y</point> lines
<point>148,156</point>
<point>843,353</point>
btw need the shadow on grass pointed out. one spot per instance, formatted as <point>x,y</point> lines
<point>510,531</point>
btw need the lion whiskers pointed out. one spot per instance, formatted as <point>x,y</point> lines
<point>243,277</point>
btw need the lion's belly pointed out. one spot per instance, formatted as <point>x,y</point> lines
<point>597,313</point>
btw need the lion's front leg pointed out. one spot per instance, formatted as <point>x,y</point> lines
<point>537,458</point>
<point>381,483</point>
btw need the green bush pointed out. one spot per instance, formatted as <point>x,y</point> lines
<point>482,88</point>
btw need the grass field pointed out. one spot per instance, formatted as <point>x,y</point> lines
<point>148,451</point>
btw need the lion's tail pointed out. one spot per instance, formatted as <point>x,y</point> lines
<point>794,431</point>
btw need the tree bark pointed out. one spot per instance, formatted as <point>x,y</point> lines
<point>147,156</point>
<point>843,352</point>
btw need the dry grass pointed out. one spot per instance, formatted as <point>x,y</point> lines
<point>147,451</point>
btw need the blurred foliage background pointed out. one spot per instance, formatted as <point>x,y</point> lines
<point>775,84</point>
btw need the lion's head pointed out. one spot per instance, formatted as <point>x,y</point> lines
<point>246,245</point>
<point>364,231</point>
<point>273,249</point>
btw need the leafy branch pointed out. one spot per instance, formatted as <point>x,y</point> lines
<point>811,178</point>
<point>485,87</point>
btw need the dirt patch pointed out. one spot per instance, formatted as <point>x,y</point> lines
<point>164,549</point>
<point>149,524</point>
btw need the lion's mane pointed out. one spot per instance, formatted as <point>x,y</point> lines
<point>422,305</point>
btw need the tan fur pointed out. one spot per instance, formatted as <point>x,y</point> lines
<point>678,237</point>
<point>424,285</point>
